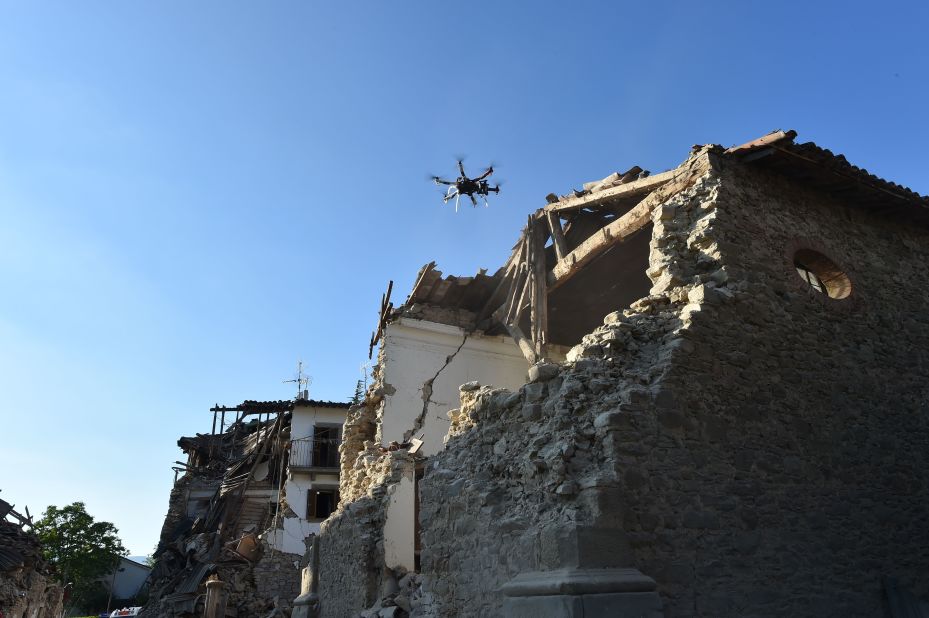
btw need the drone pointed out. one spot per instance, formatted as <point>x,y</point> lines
<point>467,186</point>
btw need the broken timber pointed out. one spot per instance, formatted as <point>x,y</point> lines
<point>629,189</point>
<point>532,272</point>
<point>625,226</point>
<point>387,307</point>
<point>526,281</point>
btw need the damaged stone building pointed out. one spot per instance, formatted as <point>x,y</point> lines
<point>28,588</point>
<point>701,392</point>
<point>244,505</point>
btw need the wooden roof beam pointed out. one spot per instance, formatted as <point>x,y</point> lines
<point>625,226</point>
<point>629,189</point>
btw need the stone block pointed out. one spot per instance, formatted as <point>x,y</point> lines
<point>541,372</point>
<point>535,392</point>
<point>549,606</point>
<point>584,546</point>
<point>622,593</point>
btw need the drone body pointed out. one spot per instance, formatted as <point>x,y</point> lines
<point>467,186</point>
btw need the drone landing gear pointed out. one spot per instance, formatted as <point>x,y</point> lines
<point>452,193</point>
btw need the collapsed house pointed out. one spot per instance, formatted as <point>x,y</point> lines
<point>28,588</point>
<point>726,410</point>
<point>244,506</point>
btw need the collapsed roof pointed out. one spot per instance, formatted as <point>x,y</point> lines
<point>591,241</point>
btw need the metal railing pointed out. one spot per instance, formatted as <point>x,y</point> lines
<point>314,453</point>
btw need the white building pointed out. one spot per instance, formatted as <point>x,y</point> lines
<point>312,484</point>
<point>126,581</point>
<point>431,346</point>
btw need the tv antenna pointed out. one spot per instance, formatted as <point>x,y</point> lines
<point>364,368</point>
<point>302,381</point>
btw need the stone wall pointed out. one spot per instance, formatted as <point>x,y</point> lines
<point>351,558</point>
<point>176,520</point>
<point>27,586</point>
<point>780,466</point>
<point>755,447</point>
<point>277,576</point>
<point>499,500</point>
<point>762,448</point>
<point>353,574</point>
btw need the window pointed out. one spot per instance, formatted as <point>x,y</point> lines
<point>821,274</point>
<point>810,277</point>
<point>320,503</point>
<point>325,446</point>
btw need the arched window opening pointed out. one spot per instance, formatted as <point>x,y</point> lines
<point>821,274</point>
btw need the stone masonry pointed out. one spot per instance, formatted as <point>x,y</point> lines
<point>28,588</point>
<point>754,447</point>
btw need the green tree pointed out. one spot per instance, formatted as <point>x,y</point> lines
<point>359,392</point>
<point>83,550</point>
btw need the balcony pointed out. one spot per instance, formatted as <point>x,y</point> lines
<point>314,455</point>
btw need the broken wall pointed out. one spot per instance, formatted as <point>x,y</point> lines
<point>277,575</point>
<point>780,467</point>
<point>27,585</point>
<point>295,522</point>
<point>225,518</point>
<point>353,573</point>
<point>423,365</point>
<point>757,448</point>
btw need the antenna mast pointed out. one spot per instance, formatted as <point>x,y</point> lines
<point>302,381</point>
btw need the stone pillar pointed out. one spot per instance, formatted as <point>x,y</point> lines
<point>215,599</point>
<point>587,570</point>
<point>307,605</point>
<point>569,593</point>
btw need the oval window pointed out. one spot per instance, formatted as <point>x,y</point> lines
<point>821,274</point>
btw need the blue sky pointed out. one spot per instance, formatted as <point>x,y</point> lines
<point>195,195</point>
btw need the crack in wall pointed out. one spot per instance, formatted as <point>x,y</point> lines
<point>420,420</point>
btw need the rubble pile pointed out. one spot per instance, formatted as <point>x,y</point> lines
<point>403,597</point>
<point>27,586</point>
<point>225,537</point>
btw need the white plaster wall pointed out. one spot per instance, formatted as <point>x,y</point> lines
<point>399,529</point>
<point>290,540</point>
<point>415,350</point>
<point>297,486</point>
<point>129,580</point>
<point>305,417</point>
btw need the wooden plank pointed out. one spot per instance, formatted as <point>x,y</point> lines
<point>644,185</point>
<point>765,140</point>
<point>507,273</point>
<point>525,346</point>
<point>426,270</point>
<point>513,295</point>
<point>623,227</point>
<point>540,332</point>
<point>437,293</point>
<point>554,227</point>
<point>489,305</point>
<point>533,283</point>
<point>516,310</point>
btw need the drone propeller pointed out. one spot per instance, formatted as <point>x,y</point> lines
<point>487,172</point>
<point>438,180</point>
